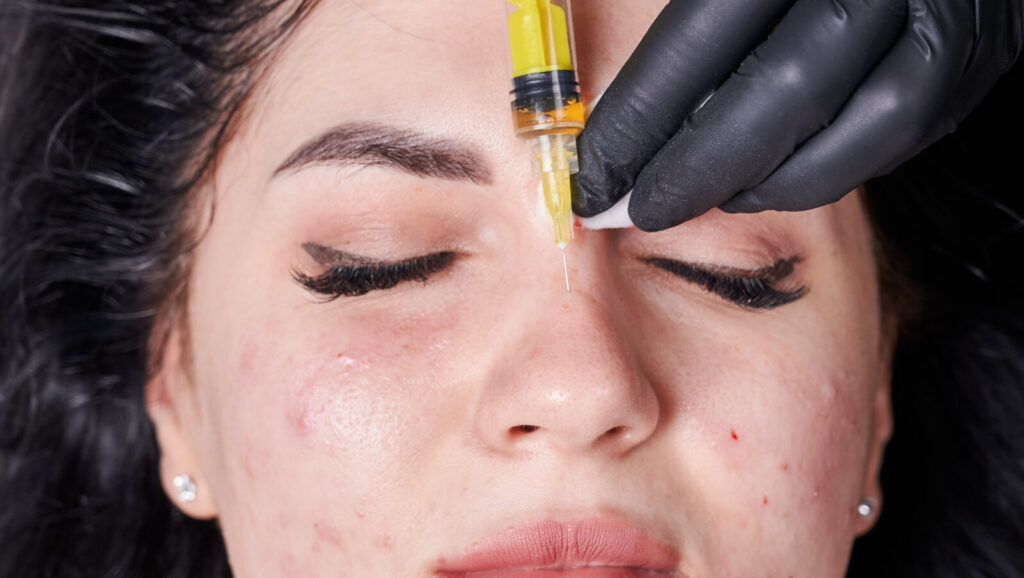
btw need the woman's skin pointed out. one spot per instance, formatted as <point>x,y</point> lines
<point>379,435</point>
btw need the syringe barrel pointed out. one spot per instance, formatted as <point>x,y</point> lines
<point>545,90</point>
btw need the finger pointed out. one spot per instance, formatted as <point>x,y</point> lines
<point>787,90</point>
<point>891,117</point>
<point>691,48</point>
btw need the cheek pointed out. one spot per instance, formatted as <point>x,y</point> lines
<point>359,384</point>
<point>323,428</point>
<point>772,436</point>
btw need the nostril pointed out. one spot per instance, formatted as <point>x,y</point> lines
<point>523,429</point>
<point>615,431</point>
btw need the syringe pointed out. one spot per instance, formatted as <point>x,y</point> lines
<point>546,103</point>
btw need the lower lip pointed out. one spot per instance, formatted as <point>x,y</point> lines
<point>591,572</point>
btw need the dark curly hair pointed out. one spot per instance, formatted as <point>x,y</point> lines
<point>111,114</point>
<point>951,223</point>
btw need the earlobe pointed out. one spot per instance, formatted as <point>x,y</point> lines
<point>191,496</point>
<point>168,397</point>
<point>882,428</point>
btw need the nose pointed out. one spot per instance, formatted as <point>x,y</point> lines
<point>568,381</point>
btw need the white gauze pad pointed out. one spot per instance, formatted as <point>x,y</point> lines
<point>617,217</point>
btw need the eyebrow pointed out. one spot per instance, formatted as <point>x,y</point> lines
<point>372,144</point>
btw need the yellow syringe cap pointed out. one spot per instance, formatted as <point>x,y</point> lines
<point>539,35</point>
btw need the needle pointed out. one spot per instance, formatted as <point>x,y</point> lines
<point>565,266</point>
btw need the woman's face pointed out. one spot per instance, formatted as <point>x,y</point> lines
<point>391,433</point>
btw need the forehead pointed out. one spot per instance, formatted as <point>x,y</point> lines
<point>397,61</point>
<point>441,68</point>
<point>411,62</point>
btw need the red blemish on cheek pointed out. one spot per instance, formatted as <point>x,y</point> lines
<point>734,436</point>
<point>766,500</point>
<point>784,466</point>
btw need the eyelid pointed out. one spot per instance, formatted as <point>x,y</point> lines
<point>331,257</point>
<point>356,281</point>
<point>750,289</point>
<point>773,273</point>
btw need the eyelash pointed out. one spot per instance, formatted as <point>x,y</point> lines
<point>751,291</point>
<point>359,280</point>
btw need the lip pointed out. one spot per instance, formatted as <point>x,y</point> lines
<point>591,548</point>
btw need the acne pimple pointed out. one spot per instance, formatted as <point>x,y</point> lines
<point>345,360</point>
<point>766,500</point>
<point>302,418</point>
<point>734,436</point>
<point>784,466</point>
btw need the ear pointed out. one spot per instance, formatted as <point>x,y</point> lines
<point>882,427</point>
<point>170,404</point>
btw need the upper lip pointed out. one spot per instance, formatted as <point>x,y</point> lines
<point>555,545</point>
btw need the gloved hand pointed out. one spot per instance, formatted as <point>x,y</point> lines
<point>840,91</point>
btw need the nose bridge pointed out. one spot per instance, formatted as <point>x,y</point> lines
<point>568,380</point>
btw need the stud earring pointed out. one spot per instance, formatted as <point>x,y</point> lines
<point>185,487</point>
<point>866,508</point>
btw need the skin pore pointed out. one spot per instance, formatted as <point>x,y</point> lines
<point>382,432</point>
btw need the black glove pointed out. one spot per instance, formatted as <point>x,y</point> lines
<point>840,91</point>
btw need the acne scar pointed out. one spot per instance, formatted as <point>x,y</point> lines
<point>289,565</point>
<point>328,533</point>
<point>784,466</point>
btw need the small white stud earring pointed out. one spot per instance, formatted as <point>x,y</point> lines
<point>185,487</point>
<point>866,508</point>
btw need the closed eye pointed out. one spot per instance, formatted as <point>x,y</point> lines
<point>364,275</point>
<point>748,289</point>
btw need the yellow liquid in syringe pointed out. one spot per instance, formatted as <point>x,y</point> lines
<point>554,163</point>
<point>567,116</point>
<point>558,202</point>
